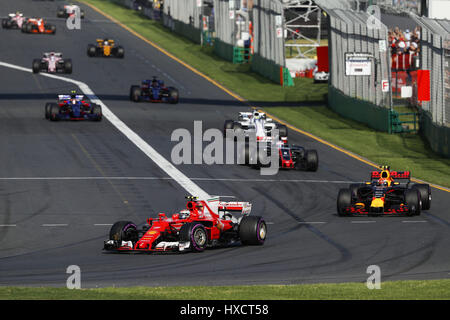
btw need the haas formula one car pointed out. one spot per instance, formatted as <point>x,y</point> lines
<point>14,21</point>
<point>154,91</point>
<point>52,62</point>
<point>72,107</point>
<point>105,48</point>
<point>34,25</point>
<point>67,10</point>
<point>204,223</point>
<point>388,193</point>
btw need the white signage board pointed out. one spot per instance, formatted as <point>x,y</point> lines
<point>358,64</point>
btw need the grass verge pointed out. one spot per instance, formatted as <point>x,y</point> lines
<point>398,290</point>
<point>302,106</point>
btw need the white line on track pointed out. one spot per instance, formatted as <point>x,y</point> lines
<point>366,221</point>
<point>54,225</point>
<point>168,178</point>
<point>102,224</point>
<point>8,225</point>
<point>413,221</point>
<point>158,159</point>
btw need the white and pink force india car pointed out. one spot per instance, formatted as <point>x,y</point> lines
<point>52,62</point>
<point>14,21</point>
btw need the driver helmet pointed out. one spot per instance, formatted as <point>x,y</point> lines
<point>256,115</point>
<point>154,83</point>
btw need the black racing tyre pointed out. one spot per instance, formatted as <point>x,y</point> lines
<point>97,111</point>
<point>5,23</point>
<point>354,190</point>
<point>60,13</point>
<point>82,14</point>
<point>228,124</point>
<point>196,234</point>
<point>312,160</point>
<point>283,131</point>
<point>91,50</point>
<point>412,199</point>
<point>344,200</point>
<point>24,27</point>
<point>135,93</point>
<point>123,231</point>
<point>36,66</point>
<point>50,27</point>
<point>68,66</point>
<point>54,112</point>
<point>425,194</point>
<point>48,106</point>
<point>173,95</point>
<point>120,52</point>
<point>252,230</point>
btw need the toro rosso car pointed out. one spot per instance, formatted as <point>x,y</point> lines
<point>72,107</point>
<point>154,91</point>
<point>388,193</point>
<point>14,21</point>
<point>255,122</point>
<point>105,48</point>
<point>68,10</point>
<point>52,62</point>
<point>203,224</point>
<point>33,25</point>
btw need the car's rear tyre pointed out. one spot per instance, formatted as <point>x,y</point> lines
<point>173,95</point>
<point>194,233</point>
<point>91,50</point>
<point>344,200</point>
<point>36,66</point>
<point>120,52</point>
<point>312,160</point>
<point>97,111</point>
<point>282,130</point>
<point>68,66</point>
<point>413,201</point>
<point>123,231</point>
<point>135,93</point>
<point>252,230</point>
<point>425,195</point>
<point>60,13</point>
<point>54,112</point>
<point>48,106</point>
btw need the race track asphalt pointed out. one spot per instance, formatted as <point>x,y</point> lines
<point>63,184</point>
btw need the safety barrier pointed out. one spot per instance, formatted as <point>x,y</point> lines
<point>378,118</point>
<point>437,136</point>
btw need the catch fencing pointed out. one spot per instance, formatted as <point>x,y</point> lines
<point>269,52</point>
<point>435,57</point>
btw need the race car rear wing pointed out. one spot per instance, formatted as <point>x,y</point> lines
<point>398,176</point>
<point>67,97</point>
<point>237,207</point>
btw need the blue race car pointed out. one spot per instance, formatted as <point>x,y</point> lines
<point>72,107</point>
<point>154,91</point>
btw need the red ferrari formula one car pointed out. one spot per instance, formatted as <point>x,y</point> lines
<point>388,193</point>
<point>33,25</point>
<point>210,223</point>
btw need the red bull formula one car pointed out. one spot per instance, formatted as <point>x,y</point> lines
<point>388,193</point>
<point>203,224</point>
